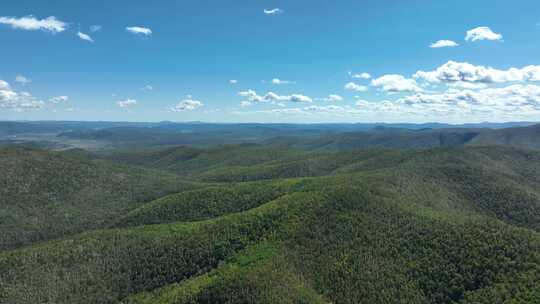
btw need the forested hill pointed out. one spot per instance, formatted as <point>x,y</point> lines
<point>46,195</point>
<point>521,137</point>
<point>524,137</point>
<point>257,224</point>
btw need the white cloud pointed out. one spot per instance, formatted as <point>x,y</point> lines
<point>351,86</point>
<point>494,104</point>
<point>85,37</point>
<point>30,23</point>
<point>187,105</point>
<point>278,81</point>
<point>18,101</point>
<point>253,97</point>
<point>496,100</point>
<point>138,30</point>
<point>95,28</point>
<point>512,102</point>
<point>482,33</point>
<point>332,98</point>
<point>22,80</point>
<point>59,99</point>
<point>128,103</point>
<point>147,88</point>
<point>396,83</point>
<point>4,85</point>
<point>453,71</point>
<point>233,81</point>
<point>275,11</point>
<point>297,98</point>
<point>443,43</point>
<point>361,76</point>
<point>467,85</point>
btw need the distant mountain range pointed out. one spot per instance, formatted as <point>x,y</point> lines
<point>317,137</point>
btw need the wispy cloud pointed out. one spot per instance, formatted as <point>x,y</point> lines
<point>23,80</point>
<point>59,99</point>
<point>128,103</point>
<point>363,75</point>
<point>274,11</point>
<point>138,30</point>
<point>147,88</point>
<point>85,37</point>
<point>233,81</point>
<point>332,98</point>
<point>95,28</point>
<point>278,81</point>
<point>30,23</point>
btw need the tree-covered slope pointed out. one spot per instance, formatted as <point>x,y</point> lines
<point>446,225</point>
<point>47,194</point>
<point>523,137</point>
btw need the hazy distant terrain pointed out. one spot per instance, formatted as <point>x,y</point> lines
<point>113,135</point>
<point>326,214</point>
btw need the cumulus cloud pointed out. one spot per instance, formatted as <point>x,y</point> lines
<point>489,103</point>
<point>452,72</point>
<point>467,85</point>
<point>85,37</point>
<point>128,103</point>
<point>361,75</point>
<point>516,101</point>
<point>396,83</point>
<point>351,86</point>
<point>4,85</point>
<point>22,80</point>
<point>509,99</point>
<point>482,33</point>
<point>275,11</point>
<point>31,23</point>
<point>187,105</point>
<point>252,97</point>
<point>296,98</point>
<point>15,100</point>
<point>139,30</point>
<point>443,43</point>
<point>233,81</point>
<point>59,99</point>
<point>147,88</point>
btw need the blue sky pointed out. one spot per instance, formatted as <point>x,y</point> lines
<point>292,61</point>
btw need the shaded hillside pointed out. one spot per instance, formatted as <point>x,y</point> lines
<point>186,160</point>
<point>524,137</point>
<point>48,195</point>
<point>389,138</point>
